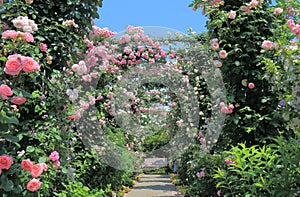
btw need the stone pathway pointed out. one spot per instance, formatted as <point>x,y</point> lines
<point>154,186</point>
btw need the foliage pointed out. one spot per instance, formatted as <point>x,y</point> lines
<point>259,171</point>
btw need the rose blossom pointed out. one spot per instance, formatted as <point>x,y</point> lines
<point>5,91</point>
<point>278,11</point>
<point>36,170</point>
<point>34,185</point>
<point>18,100</point>
<point>222,54</point>
<point>13,66</point>
<point>217,63</point>
<point>54,156</point>
<point>251,85</point>
<point>5,162</point>
<point>267,44</point>
<point>232,14</point>
<point>29,64</point>
<point>215,46</point>
<point>26,164</point>
<point>56,164</point>
<point>43,47</point>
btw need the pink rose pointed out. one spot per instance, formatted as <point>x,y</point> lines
<point>43,47</point>
<point>215,46</point>
<point>232,14</point>
<point>54,156</point>
<point>13,66</point>
<point>26,164</point>
<point>5,91</point>
<point>217,63</point>
<point>251,85</point>
<point>222,54</point>
<point>18,100</point>
<point>56,164</point>
<point>278,11</point>
<point>28,37</point>
<point>45,167</point>
<point>34,185</point>
<point>9,34</point>
<point>36,170</point>
<point>30,65</point>
<point>267,45</point>
<point>5,162</point>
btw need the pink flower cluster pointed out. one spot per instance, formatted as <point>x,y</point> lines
<point>294,27</point>
<point>12,34</point>
<point>200,174</point>
<point>104,32</point>
<point>225,109</point>
<point>24,23</point>
<point>222,53</point>
<point>16,63</point>
<point>36,170</point>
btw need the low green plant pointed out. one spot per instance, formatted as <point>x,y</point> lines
<point>268,170</point>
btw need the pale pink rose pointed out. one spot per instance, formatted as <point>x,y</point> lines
<point>34,185</point>
<point>267,45</point>
<point>30,65</point>
<point>26,164</point>
<point>219,193</point>
<point>202,140</point>
<point>217,63</point>
<point>222,104</point>
<point>36,170</point>
<point>54,156</point>
<point>87,78</point>
<point>82,69</point>
<point>77,115</point>
<point>43,47</point>
<point>278,11</point>
<point>200,174</point>
<point>232,14</point>
<point>215,46</point>
<point>5,91</point>
<point>9,34</point>
<point>84,105</point>
<point>5,162</point>
<point>92,100</point>
<point>18,100</point>
<point>179,122</point>
<point>251,85</point>
<point>13,66</point>
<point>222,54</point>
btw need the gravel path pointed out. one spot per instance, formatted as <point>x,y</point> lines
<point>153,186</point>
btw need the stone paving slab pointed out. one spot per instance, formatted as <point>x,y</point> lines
<point>154,186</point>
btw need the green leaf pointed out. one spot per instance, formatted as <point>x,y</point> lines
<point>12,120</point>
<point>30,149</point>
<point>11,138</point>
<point>42,160</point>
<point>17,189</point>
<point>8,185</point>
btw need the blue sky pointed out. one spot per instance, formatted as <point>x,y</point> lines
<point>174,14</point>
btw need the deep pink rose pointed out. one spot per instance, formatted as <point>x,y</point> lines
<point>5,162</point>
<point>18,100</point>
<point>54,156</point>
<point>26,164</point>
<point>36,170</point>
<point>34,185</point>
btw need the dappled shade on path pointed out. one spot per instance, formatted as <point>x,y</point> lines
<point>154,186</point>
